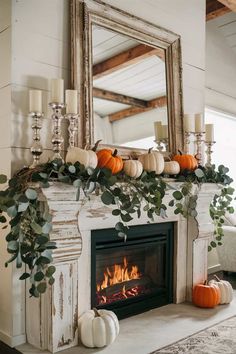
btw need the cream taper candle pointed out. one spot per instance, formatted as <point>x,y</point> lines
<point>188,123</point>
<point>164,130</point>
<point>198,123</point>
<point>57,90</point>
<point>35,101</point>
<point>209,128</point>
<point>158,130</point>
<point>71,102</point>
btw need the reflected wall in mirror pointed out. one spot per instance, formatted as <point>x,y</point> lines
<point>128,72</point>
<point>129,90</point>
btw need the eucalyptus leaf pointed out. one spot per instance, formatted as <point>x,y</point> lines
<point>107,198</point>
<point>72,169</point>
<point>177,195</point>
<point>41,288</point>
<point>31,194</point>
<point>199,173</point>
<point>39,276</point>
<point>3,179</point>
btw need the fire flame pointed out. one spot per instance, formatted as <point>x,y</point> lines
<point>119,274</point>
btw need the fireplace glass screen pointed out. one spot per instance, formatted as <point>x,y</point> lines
<point>134,275</point>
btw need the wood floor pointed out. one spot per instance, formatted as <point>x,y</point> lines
<point>231,277</point>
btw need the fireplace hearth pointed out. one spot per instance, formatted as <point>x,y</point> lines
<point>133,276</point>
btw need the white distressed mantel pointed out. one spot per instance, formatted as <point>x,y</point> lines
<point>52,320</point>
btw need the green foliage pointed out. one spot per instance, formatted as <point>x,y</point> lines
<point>28,241</point>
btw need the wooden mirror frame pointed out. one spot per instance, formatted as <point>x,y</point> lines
<point>84,13</point>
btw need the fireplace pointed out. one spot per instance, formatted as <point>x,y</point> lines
<point>133,276</point>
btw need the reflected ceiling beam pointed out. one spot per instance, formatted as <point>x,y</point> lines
<point>125,113</point>
<point>126,58</point>
<point>215,9</point>
<point>116,97</point>
<point>231,4</point>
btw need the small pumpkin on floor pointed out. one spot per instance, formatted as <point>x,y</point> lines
<point>98,328</point>
<point>206,295</point>
<point>226,290</point>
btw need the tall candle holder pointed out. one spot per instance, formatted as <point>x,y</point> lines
<point>165,142</point>
<point>162,144</point>
<point>198,141</point>
<point>36,149</point>
<point>73,128</point>
<point>187,141</point>
<point>209,152</point>
<point>57,139</point>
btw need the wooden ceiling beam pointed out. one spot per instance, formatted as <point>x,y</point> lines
<point>231,4</point>
<point>215,9</point>
<point>126,58</point>
<point>125,113</point>
<point>116,97</point>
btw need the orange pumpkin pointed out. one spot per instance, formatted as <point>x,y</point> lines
<point>110,160</point>
<point>186,162</point>
<point>206,295</point>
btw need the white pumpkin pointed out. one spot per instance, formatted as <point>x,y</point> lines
<point>88,158</point>
<point>171,168</point>
<point>98,328</point>
<point>133,168</point>
<point>152,161</point>
<point>226,290</point>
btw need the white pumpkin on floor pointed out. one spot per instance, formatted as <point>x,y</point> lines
<point>153,161</point>
<point>98,328</point>
<point>226,290</point>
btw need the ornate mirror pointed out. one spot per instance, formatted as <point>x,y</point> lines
<point>128,73</point>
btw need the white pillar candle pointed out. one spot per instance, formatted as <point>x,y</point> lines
<point>35,101</point>
<point>71,102</point>
<point>209,128</point>
<point>188,123</point>
<point>198,123</point>
<point>57,90</point>
<point>164,131</point>
<point>158,130</point>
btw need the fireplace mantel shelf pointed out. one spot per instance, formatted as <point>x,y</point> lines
<point>54,325</point>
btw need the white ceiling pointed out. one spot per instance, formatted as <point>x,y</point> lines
<point>227,26</point>
<point>144,80</point>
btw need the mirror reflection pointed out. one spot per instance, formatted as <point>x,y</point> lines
<point>129,90</point>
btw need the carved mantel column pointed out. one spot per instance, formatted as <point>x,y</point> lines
<point>52,320</point>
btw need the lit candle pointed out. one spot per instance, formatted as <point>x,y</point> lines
<point>209,128</point>
<point>188,123</point>
<point>71,102</point>
<point>158,130</point>
<point>164,132</point>
<point>35,101</point>
<point>198,123</point>
<point>57,90</point>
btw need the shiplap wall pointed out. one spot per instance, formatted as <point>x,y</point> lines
<point>221,64</point>
<point>40,50</point>
<point>34,47</point>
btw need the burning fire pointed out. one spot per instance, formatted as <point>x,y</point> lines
<point>119,274</point>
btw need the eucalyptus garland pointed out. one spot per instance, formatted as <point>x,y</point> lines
<point>28,240</point>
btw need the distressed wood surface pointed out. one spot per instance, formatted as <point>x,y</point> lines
<point>84,13</point>
<point>54,325</point>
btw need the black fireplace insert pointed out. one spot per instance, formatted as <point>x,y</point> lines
<point>133,276</point>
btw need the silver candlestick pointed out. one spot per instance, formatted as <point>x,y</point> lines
<point>36,149</point>
<point>187,141</point>
<point>165,142</point>
<point>73,128</point>
<point>57,139</point>
<point>209,152</point>
<point>159,146</point>
<point>198,141</point>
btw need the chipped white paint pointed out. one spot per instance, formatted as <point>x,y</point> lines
<point>54,324</point>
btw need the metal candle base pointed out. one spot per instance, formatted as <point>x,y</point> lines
<point>73,128</point>
<point>57,139</point>
<point>36,149</point>
<point>199,141</point>
<point>209,152</point>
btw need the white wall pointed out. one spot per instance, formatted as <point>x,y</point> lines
<point>220,71</point>
<point>34,47</point>
<point>39,32</point>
